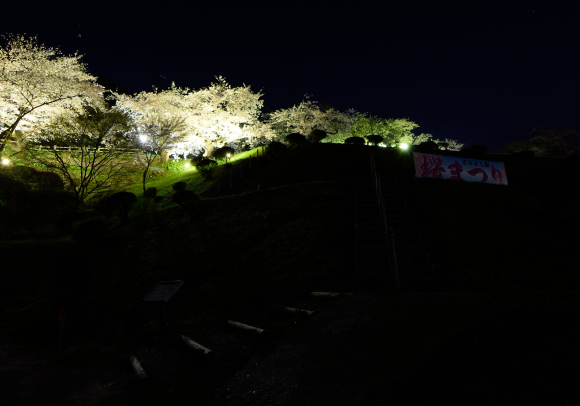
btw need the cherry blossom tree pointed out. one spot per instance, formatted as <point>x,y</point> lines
<point>157,134</point>
<point>308,116</point>
<point>87,147</point>
<point>38,83</point>
<point>215,116</point>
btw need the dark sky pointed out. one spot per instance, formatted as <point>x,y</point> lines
<point>482,72</point>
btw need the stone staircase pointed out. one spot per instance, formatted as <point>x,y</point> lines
<point>373,255</point>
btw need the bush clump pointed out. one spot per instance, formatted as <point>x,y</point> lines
<point>296,139</point>
<point>204,165</point>
<point>120,204</point>
<point>276,148</point>
<point>475,151</point>
<point>179,186</point>
<point>375,139</point>
<point>317,135</point>
<point>428,146</point>
<point>223,153</point>
<point>355,141</point>
<point>151,192</point>
<point>185,198</point>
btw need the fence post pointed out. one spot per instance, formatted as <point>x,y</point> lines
<point>61,332</point>
<point>393,256</point>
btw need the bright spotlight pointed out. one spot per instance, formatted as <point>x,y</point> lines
<point>404,146</point>
<point>228,155</point>
<point>5,161</point>
<point>143,138</point>
<point>187,165</point>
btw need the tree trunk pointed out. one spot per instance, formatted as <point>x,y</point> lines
<point>145,178</point>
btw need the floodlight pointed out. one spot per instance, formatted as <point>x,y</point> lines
<point>143,138</point>
<point>187,165</point>
<point>5,161</point>
<point>404,145</point>
<point>228,155</point>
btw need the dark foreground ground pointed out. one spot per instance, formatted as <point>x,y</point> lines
<point>366,349</point>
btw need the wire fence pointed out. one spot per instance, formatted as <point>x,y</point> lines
<point>72,149</point>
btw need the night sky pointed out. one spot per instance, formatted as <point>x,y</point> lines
<point>482,72</point>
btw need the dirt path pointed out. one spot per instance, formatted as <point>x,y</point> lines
<point>362,350</point>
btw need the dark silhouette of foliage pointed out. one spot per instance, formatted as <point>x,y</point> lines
<point>119,203</point>
<point>523,155</point>
<point>31,199</point>
<point>317,135</point>
<point>90,231</point>
<point>221,154</point>
<point>550,142</point>
<point>185,198</point>
<point>355,141</point>
<point>179,186</point>
<point>276,148</point>
<point>375,139</point>
<point>151,192</point>
<point>428,146</point>
<point>296,139</point>
<point>204,165</point>
<point>443,145</point>
<point>475,151</point>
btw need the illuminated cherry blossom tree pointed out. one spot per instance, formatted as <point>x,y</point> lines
<point>308,116</point>
<point>215,116</point>
<point>38,83</point>
<point>87,147</point>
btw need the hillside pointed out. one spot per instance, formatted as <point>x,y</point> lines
<point>284,230</point>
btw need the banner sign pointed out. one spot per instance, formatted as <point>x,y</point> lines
<point>467,169</point>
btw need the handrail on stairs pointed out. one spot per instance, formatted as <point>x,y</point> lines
<point>389,232</point>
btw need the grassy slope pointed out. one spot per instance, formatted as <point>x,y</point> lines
<point>255,243</point>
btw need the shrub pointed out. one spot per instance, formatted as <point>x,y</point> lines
<point>221,154</point>
<point>475,151</point>
<point>151,192</point>
<point>296,139</point>
<point>428,146</point>
<point>523,155</point>
<point>31,199</point>
<point>276,148</point>
<point>179,186</point>
<point>185,198</point>
<point>317,135</point>
<point>49,181</point>
<point>355,141</point>
<point>204,166</point>
<point>375,139</point>
<point>119,203</point>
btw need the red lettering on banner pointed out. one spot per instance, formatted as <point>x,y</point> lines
<point>456,170</point>
<point>432,166</point>
<point>474,171</point>
<point>496,175</point>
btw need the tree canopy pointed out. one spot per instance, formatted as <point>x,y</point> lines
<point>38,83</point>
<point>86,146</point>
<point>214,116</point>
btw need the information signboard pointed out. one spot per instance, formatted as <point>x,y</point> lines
<point>462,169</point>
<point>163,291</point>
